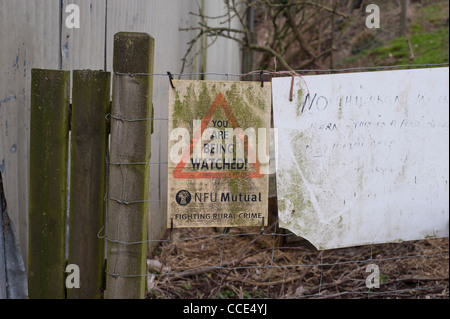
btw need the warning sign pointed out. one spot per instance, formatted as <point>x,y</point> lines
<point>218,161</point>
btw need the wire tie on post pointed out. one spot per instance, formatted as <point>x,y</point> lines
<point>98,234</point>
<point>261,74</point>
<point>171,79</point>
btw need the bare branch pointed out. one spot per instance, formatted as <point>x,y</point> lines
<point>292,33</point>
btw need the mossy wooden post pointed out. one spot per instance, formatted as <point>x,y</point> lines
<point>128,177</point>
<point>90,102</point>
<point>48,183</point>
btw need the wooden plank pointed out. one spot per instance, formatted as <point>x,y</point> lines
<point>48,182</point>
<point>128,177</point>
<point>90,101</point>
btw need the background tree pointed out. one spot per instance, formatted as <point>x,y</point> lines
<point>325,34</point>
<point>281,34</point>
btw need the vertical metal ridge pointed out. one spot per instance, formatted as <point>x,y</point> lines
<point>60,57</point>
<point>105,49</point>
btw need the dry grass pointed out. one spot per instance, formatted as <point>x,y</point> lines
<point>205,263</point>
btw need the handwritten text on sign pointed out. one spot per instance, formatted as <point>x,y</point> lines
<point>219,157</point>
<point>364,157</point>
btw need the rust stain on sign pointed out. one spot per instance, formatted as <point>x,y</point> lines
<point>218,154</point>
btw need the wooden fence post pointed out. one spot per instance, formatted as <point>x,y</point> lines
<point>128,177</point>
<point>90,104</point>
<point>48,183</point>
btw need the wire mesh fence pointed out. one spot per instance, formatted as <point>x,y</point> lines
<point>258,263</point>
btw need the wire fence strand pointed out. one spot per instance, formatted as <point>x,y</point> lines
<point>288,73</point>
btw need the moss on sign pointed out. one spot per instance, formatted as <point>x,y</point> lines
<point>215,174</point>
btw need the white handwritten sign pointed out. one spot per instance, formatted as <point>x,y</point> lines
<point>219,138</point>
<point>364,157</point>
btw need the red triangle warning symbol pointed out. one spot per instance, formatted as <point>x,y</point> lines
<point>221,101</point>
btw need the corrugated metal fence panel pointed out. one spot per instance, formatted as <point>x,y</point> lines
<point>29,33</point>
<point>33,35</point>
<point>84,48</point>
<point>224,56</point>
